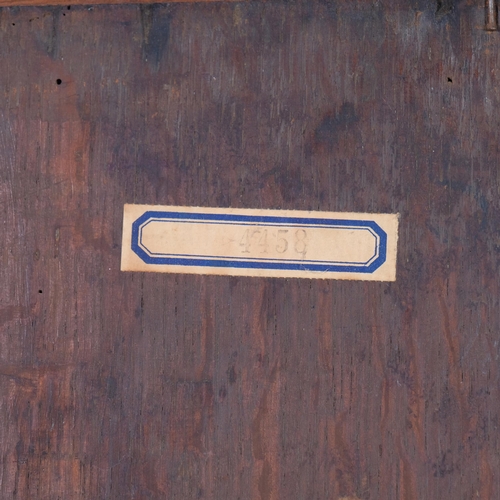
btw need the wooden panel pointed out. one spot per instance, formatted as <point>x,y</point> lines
<point>65,3</point>
<point>149,386</point>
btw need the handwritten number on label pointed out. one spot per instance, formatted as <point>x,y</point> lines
<point>301,242</point>
<point>245,242</point>
<point>255,236</point>
<point>263,240</point>
<point>257,241</point>
<point>282,243</point>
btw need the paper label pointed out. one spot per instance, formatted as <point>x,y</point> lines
<point>274,243</point>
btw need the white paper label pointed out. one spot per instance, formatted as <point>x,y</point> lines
<point>275,243</point>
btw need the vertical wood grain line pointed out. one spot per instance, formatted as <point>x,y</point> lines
<point>491,15</point>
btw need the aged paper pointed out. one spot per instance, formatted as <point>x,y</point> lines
<point>247,242</point>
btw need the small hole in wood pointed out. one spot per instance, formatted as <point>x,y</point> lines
<point>450,80</point>
<point>40,291</point>
<point>58,81</point>
<point>69,7</point>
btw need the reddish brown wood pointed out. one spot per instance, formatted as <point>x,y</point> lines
<point>151,386</point>
<point>65,3</point>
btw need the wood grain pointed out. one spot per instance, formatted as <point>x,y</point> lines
<point>153,386</point>
<point>65,3</point>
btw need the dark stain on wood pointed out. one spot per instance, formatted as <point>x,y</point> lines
<point>331,124</point>
<point>155,21</point>
<point>334,128</point>
<point>444,7</point>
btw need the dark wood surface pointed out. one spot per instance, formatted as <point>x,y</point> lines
<point>65,3</point>
<point>151,386</point>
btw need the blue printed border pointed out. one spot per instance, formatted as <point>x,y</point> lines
<point>369,267</point>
